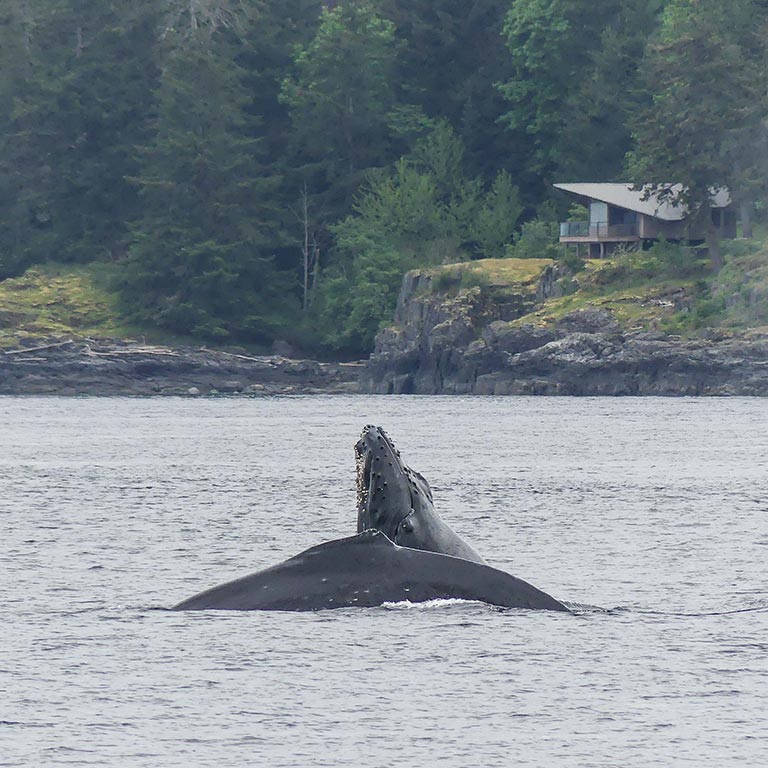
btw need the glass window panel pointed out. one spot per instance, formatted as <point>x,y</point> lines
<point>598,212</point>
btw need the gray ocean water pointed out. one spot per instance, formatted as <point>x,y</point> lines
<point>656,509</point>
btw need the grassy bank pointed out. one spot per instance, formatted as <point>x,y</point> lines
<point>667,288</point>
<point>52,302</point>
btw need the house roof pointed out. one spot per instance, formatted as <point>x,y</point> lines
<point>624,196</point>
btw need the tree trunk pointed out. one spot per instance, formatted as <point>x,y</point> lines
<point>746,219</point>
<point>713,247</point>
<point>309,251</point>
<point>27,24</point>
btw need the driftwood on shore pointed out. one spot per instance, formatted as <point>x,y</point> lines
<point>87,350</point>
<point>40,348</point>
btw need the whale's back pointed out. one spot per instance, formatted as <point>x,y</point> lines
<point>364,571</point>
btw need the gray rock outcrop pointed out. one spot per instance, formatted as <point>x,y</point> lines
<point>114,367</point>
<point>468,343</point>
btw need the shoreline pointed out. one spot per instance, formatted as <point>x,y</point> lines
<point>116,368</point>
<point>576,364</point>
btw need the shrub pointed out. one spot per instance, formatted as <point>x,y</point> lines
<point>495,222</point>
<point>537,239</point>
<point>572,260</point>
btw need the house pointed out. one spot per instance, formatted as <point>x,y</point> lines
<point>619,214</point>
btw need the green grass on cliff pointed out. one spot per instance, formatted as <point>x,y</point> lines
<point>636,307</point>
<point>512,274</point>
<point>667,288</point>
<point>54,302</point>
<point>505,271</point>
<point>738,295</point>
<point>635,299</point>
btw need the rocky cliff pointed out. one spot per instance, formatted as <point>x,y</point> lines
<point>507,327</point>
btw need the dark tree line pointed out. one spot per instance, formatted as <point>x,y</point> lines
<point>261,169</point>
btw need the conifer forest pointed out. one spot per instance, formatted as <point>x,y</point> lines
<point>255,170</point>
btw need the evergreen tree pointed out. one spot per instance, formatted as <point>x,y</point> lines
<point>23,212</point>
<point>705,128</point>
<point>270,38</point>
<point>451,55</point>
<point>78,85</point>
<point>342,99</point>
<point>397,225</point>
<point>266,59</point>
<point>425,211</point>
<point>496,221</point>
<point>441,155</point>
<point>573,82</point>
<point>200,262</point>
<point>109,98</point>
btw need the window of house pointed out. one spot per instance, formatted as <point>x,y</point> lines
<point>598,212</point>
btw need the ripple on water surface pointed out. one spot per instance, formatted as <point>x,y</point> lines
<point>655,509</point>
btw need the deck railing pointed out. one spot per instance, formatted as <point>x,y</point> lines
<point>601,229</point>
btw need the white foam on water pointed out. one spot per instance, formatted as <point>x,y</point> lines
<point>446,602</point>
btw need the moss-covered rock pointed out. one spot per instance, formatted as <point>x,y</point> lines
<point>531,326</point>
<point>440,313</point>
<point>54,301</point>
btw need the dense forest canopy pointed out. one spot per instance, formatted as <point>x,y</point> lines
<point>264,169</point>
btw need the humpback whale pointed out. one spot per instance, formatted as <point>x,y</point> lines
<point>397,500</point>
<point>365,571</point>
<point>403,551</point>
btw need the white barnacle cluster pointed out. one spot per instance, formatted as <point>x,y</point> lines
<point>362,486</point>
